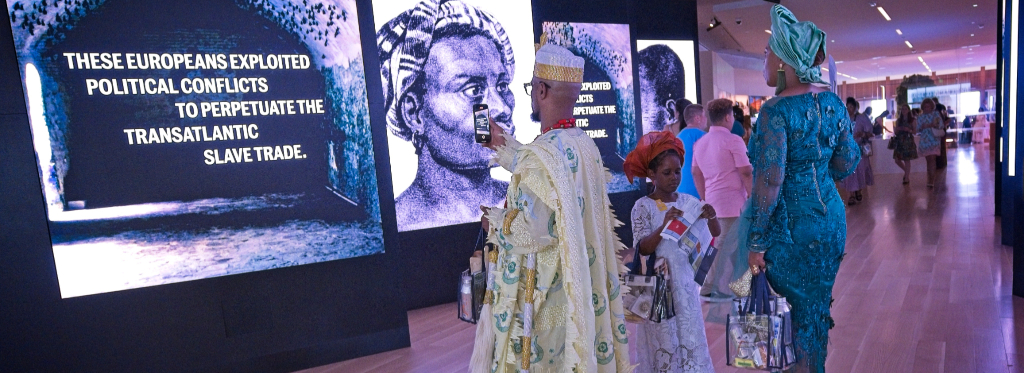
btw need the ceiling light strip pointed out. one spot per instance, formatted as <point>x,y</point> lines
<point>884,14</point>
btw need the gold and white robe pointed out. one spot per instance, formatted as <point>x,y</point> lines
<point>556,283</point>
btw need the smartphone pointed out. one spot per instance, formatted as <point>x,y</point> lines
<point>482,123</point>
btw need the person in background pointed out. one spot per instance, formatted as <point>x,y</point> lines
<point>967,136</point>
<point>722,174</point>
<point>928,143</point>
<point>879,126</point>
<point>981,124</point>
<point>737,124</point>
<point>904,148</point>
<point>947,122</point>
<point>863,176</point>
<point>795,223</point>
<point>677,344</point>
<point>697,126</point>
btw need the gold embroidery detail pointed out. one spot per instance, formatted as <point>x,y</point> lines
<point>529,283</point>
<point>492,258</point>
<point>527,351</point>
<point>558,73</point>
<point>507,226</point>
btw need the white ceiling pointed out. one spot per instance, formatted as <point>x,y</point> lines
<point>867,46</point>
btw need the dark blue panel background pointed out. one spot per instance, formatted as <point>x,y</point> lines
<point>278,320</point>
<point>105,170</point>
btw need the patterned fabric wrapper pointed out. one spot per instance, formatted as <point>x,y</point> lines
<point>404,44</point>
<point>649,146</point>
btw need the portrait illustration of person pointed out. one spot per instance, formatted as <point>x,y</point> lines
<point>437,60</point>
<point>662,84</point>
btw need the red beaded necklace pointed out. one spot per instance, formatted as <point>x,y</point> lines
<point>562,124</point>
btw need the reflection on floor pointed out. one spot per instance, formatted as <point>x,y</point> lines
<point>925,287</point>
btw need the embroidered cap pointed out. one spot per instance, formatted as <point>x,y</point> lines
<point>559,64</point>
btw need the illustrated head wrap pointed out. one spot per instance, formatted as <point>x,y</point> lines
<point>797,44</point>
<point>404,44</point>
<point>557,63</point>
<point>647,148</point>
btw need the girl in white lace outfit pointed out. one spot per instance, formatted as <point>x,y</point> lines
<point>677,344</point>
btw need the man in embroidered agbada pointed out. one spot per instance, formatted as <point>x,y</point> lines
<point>554,292</point>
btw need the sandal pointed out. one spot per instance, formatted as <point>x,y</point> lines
<point>851,202</point>
<point>906,180</point>
<point>860,197</point>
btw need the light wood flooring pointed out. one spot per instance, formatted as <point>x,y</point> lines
<point>925,287</point>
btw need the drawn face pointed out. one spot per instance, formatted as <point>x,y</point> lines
<point>655,114</point>
<point>459,73</point>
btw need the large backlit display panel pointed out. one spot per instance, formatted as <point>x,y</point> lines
<point>181,140</point>
<point>605,108</point>
<point>439,58</point>
<point>668,72</point>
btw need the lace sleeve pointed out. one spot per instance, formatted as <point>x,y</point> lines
<point>846,153</point>
<point>768,149</point>
<point>504,156</point>
<point>641,216</point>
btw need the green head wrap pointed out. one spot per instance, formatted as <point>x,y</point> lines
<point>797,44</point>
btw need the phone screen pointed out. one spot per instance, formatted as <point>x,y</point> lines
<point>481,123</point>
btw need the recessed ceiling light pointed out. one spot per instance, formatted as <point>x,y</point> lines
<point>884,14</point>
<point>768,31</point>
<point>908,44</point>
<point>972,34</point>
<point>975,5</point>
<point>899,32</point>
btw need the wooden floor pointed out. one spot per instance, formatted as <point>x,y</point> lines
<point>925,287</point>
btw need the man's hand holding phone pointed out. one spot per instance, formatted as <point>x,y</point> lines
<point>497,140</point>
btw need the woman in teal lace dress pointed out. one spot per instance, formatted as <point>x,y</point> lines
<point>795,226</point>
